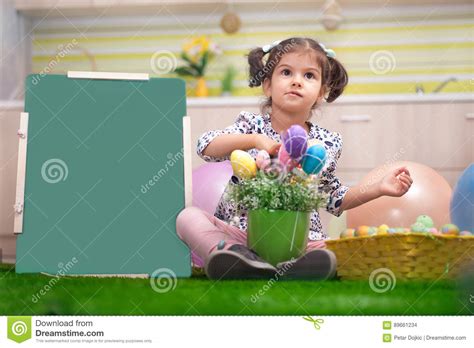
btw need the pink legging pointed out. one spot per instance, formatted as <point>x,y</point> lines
<point>202,232</point>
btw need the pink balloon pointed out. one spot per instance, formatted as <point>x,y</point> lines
<point>429,194</point>
<point>209,182</point>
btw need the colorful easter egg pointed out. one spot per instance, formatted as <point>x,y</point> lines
<point>295,141</point>
<point>417,227</point>
<point>349,232</point>
<point>425,220</point>
<point>433,230</point>
<point>286,160</point>
<point>383,229</point>
<point>314,159</point>
<point>372,231</point>
<point>450,229</point>
<point>263,159</point>
<point>362,231</point>
<point>392,230</point>
<point>465,233</point>
<point>243,164</point>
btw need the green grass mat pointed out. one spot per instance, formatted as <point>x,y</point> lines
<point>35,294</point>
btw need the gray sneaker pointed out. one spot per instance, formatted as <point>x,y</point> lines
<point>237,262</point>
<point>318,264</point>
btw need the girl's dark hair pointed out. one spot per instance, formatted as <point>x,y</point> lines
<point>333,74</point>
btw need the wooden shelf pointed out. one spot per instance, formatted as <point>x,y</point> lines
<point>343,100</point>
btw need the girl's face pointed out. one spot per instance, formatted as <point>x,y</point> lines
<point>296,83</point>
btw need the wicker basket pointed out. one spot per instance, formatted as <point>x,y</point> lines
<point>408,255</point>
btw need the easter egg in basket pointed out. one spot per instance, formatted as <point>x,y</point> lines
<point>382,229</point>
<point>450,229</point>
<point>425,220</point>
<point>418,227</point>
<point>349,232</point>
<point>362,231</point>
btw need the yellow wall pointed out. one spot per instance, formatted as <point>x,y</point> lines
<point>385,50</point>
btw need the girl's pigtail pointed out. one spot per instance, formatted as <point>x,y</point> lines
<point>256,71</point>
<point>337,80</point>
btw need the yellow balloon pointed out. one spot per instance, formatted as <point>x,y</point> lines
<point>243,164</point>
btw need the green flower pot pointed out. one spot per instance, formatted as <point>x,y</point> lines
<point>278,235</point>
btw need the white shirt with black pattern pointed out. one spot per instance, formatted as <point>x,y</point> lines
<point>252,123</point>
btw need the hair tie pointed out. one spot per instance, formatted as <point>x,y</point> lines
<point>268,48</point>
<point>329,52</point>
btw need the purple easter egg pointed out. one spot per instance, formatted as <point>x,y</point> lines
<point>295,141</point>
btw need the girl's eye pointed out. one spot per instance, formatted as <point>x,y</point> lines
<point>310,75</point>
<point>285,72</point>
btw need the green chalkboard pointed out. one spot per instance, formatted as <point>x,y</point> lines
<point>104,176</point>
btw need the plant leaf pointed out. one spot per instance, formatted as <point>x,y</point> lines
<point>204,61</point>
<point>185,71</point>
<point>191,63</point>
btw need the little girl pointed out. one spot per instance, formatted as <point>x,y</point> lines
<point>297,75</point>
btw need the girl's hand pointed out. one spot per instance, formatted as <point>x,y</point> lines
<point>262,142</point>
<point>396,183</point>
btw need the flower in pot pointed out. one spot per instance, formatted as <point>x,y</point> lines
<point>196,54</point>
<point>279,197</point>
